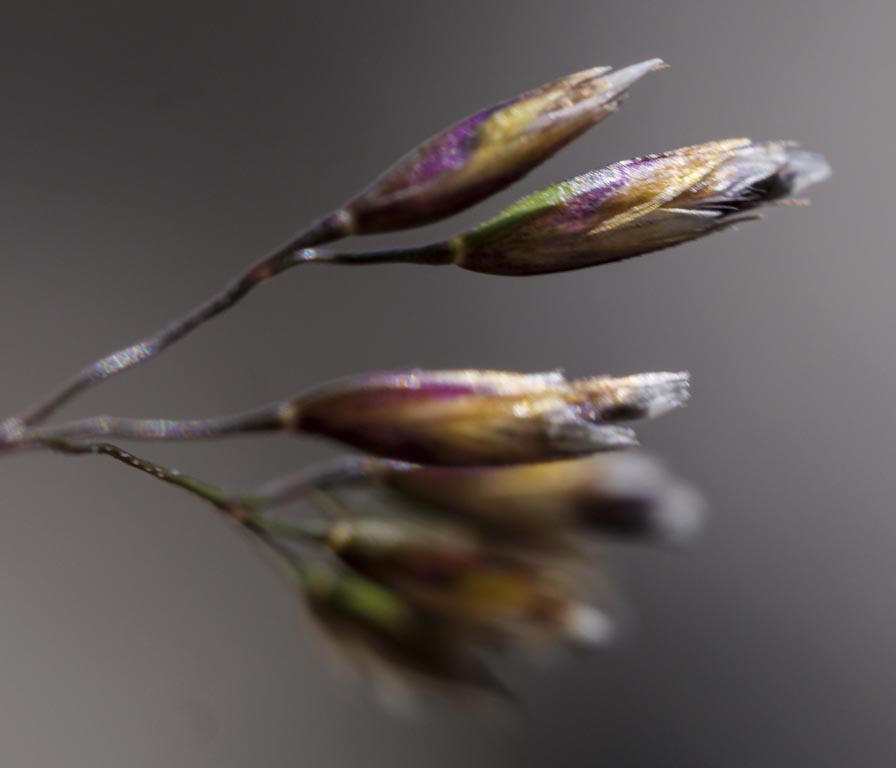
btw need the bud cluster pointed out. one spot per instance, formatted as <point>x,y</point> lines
<point>466,526</point>
<point>478,520</point>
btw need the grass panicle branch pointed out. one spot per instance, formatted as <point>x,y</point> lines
<point>467,523</point>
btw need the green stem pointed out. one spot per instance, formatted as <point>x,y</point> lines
<point>325,583</point>
<point>232,505</point>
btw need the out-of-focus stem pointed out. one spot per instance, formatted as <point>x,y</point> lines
<point>339,473</point>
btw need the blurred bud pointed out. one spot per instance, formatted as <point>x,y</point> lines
<point>415,547</point>
<point>399,646</point>
<point>486,152</point>
<point>470,581</point>
<point>622,493</point>
<point>637,206</point>
<point>485,417</point>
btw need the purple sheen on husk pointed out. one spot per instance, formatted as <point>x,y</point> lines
<point>465,164</point>
<point>445,153</point>
<point>636,206</point>
<point>436,385</point>
<point>489,417</point>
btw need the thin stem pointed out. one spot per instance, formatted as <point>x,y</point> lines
<point>435,254</point>
<point>344,471</point>
<point>266,419</point>
<point>232,505</point>
<point>205,491</point>
<point>326,230</point>
<point>296,253</point>
<point>322,580</point>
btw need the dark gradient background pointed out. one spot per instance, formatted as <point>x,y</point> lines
<point>150,150</point>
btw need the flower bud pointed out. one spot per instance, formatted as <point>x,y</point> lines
<point>621,493</point>
<point>421,548</point>
<point>469,581</point>
<point>395,643</point>
<point>488,151</point>
<point>637,206</point>
<point>485,417</point>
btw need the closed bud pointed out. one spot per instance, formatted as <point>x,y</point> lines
<point>414,547</point>
<point>485,417</point>
<point>397,645</point>
<point>471,582</point>
<point>621,493</point>
<point>486,152</point>
<point>637,206</point>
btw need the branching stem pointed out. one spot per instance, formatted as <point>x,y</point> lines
<point>238,507</point>
<point>297,252</point>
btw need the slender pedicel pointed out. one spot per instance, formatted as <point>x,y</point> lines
<point>345,471</point>
<point>327,229</point>
<point>235,506</point>
<point>205,491</point>
<point>293,255</point>
<point>266,419</point>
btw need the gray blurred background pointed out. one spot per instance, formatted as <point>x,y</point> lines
<point>150,150</point>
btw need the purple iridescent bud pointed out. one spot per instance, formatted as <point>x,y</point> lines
<point>637,206</point>
<point>485,417</point>
<point>486,152</point>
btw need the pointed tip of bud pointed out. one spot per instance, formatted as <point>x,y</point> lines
<point>586,625</point>
<point>611,438</point>
<point>808,168</point>
<point>642,395</point>
<point>637,206</point>
<point>590,73</point>
<point>660,393</point>
<point>678,514</point>
<point>622,79</point>
<point>644,499</point>
<point>578,437</point>
<point>674,392</point>
<point>483,153</point>
<point>487,417</point>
